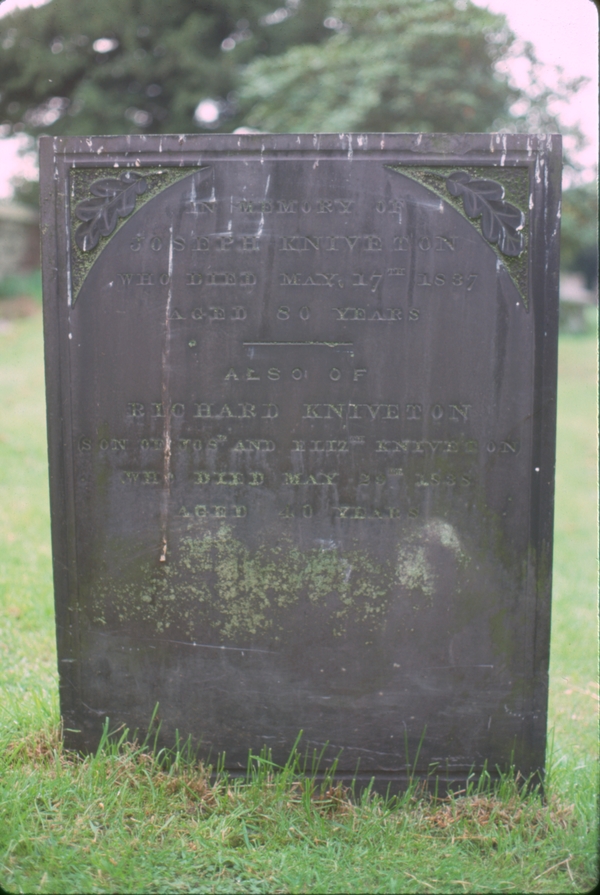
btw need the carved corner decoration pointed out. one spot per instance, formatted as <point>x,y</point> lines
<point>501,222</point>
<point>111,199</point>
<point>482,201</point>
<point>102,201</point>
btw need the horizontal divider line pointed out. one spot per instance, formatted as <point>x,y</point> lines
<point>327,344</point>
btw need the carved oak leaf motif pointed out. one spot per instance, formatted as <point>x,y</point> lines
<point>501,222</point>
<point>111,199</point>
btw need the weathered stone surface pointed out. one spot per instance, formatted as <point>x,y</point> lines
<point>301,421</point>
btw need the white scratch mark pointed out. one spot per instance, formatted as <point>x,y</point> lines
<point>350,150</point>
<point>166,409</point>
<point>193,197</point>
<point>234,649</point>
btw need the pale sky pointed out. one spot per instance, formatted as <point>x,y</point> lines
<point>563,32</point>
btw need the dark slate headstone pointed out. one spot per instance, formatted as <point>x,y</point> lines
<point>301,410</point>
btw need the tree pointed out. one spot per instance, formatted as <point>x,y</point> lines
<point>25,191</point>
<point>398,65</point>
<point>135,66</point>
<point>579,231</point>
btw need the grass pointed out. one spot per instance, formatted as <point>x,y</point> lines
<point>129,821</point>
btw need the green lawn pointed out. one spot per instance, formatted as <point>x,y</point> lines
<point>124,821</point>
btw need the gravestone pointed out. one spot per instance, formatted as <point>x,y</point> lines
<point>301,409</point>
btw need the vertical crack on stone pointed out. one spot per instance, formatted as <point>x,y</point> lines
<point>166,375</point>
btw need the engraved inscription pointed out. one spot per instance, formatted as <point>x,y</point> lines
<point>270,411</point>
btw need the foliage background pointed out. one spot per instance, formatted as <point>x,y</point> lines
<point>136,66</point>
<point>139,66</point>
